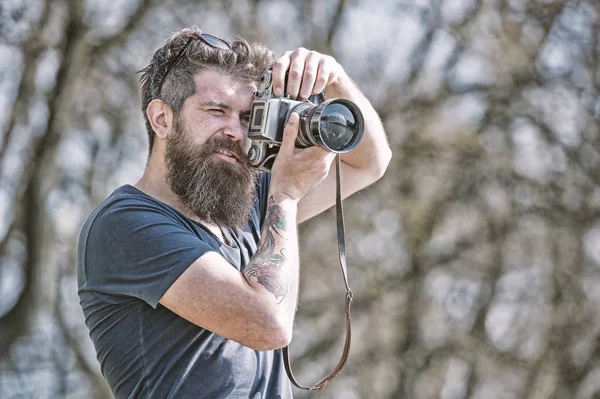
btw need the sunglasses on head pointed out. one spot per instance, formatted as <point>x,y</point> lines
<point>211,40</point>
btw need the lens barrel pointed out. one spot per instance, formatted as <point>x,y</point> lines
<point>337,125</point>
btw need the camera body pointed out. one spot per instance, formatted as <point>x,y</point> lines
<point>336,125</point>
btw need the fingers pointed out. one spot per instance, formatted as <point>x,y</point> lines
<point>308,73</point>
<point>295,73</point>
<point>311,69</point>
<point>279,70</point>
<point>323,77</point>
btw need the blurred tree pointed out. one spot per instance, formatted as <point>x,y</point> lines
<point>474,262</point>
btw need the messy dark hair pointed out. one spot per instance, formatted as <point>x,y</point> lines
<point>245,62</point>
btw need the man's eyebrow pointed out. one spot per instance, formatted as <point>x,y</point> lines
<point>211,103</point>
<point>219,104</point>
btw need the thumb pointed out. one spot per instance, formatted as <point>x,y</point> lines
<point>290,132</point>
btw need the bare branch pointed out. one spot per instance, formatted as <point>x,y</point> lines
<point>334,26</point>
<point>117,40</point>
<point>32,48</point>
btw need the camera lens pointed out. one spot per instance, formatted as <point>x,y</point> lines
<point>338,126</point>
<point>335,125</point>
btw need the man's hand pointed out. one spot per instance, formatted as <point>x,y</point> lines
<point>297,171</point>
<point>309,72</point>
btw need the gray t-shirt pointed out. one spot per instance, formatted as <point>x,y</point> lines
<point>131,249</point>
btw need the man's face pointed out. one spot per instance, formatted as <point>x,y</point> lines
<point>205,155</point>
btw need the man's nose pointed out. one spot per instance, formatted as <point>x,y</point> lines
<point>236,130</point>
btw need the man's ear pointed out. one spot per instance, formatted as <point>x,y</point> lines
<point>160,116</point>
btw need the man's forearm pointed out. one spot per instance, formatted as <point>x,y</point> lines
<point>373,151</point>
<point>275,264</point>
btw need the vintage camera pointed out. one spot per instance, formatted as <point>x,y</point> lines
<point>336,125</point>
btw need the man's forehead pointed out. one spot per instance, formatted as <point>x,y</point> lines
<point>215,86</point>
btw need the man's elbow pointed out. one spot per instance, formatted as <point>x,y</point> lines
<point>380,164</point>
<point>270,330</point>
<point>277,341</point>
<point>276,335</point>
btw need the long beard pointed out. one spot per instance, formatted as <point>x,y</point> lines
<point>215,190</point>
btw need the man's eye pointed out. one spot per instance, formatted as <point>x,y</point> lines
<point>217,111</point>
<point>245,120</point>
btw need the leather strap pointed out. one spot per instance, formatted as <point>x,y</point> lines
<point>339,211</point>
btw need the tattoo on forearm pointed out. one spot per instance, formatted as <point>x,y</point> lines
<point>267,263</point>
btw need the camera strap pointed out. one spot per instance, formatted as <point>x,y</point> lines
<point>339,211</point>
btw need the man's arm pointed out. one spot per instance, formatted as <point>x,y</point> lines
<point>256,307</point>
<point>309,73</point>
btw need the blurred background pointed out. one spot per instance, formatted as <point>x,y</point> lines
<point>475,262</point>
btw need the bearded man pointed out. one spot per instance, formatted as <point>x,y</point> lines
<point>189,279</point>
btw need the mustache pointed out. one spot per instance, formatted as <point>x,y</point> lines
<point>222,143</point>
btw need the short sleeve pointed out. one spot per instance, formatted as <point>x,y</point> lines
<point>134,247</point>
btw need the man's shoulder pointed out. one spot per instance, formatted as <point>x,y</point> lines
<point>127,199</point>
<point>127,228</point>
<point>123,211</point>
<point>126,196</point>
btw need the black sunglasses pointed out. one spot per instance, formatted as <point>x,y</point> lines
<point>211,40</point>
